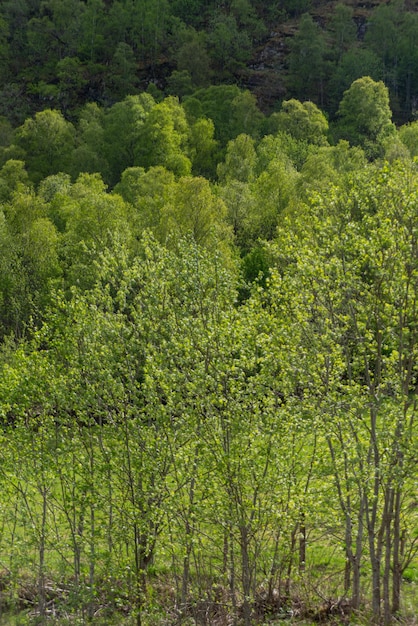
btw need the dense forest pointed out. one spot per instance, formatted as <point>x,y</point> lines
<point>208,312</point>
<point>61,55</point>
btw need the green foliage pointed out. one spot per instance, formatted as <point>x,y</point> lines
<point>163,139</point>
<point>343,30</point>
<point>203,147</point>
<point>205,313</point>
<point>365,115</point>
<point>12,175</point>
<point>408,134</point>
<point>122,127</point>
<point>229,46</point>
<point>192,56</point>
<point>216,103</point>
<point>354,64</point>
<point>303,121</point>
<point>307,63</point>
<point>122,79</point>
<point>89,154</point>
<point>47,141</point>
<point>239,161</point>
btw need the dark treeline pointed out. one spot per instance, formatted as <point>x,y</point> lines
<point>63,54</point>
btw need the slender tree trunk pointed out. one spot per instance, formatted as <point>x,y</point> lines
<point>375,542</point>
<point>290,560</point>
<point>232,574</point>
<point>349,556</point>
<point>387,616</point>
<point>302,543</point>
<point>396,555</point>
<point>246,575</point>
<point>42,540</point>
<point>356,598</point>
<point>138,578</point>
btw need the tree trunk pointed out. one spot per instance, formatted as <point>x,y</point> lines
<point>302,543</point>
<point>246,575</point>
<point>42,540</point>
<point>356,598</point>
<point>387,615</point>
<point>396,555</point>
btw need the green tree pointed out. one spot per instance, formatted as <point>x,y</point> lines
<point>354,64</point>
<point>4,50</point>
<point>89,153</point>
<point>307,64</point>
<point>147,191</point>
<point>92,45</point>
<point>214,102</point>
<point>12,175</point>
<point>164,138</point>
<point>383,37</point>
<point>192,56</point>
<point>331,164</point>
<point>203,147</point>
<point>408,63</point>
<point>353,246</point>
<point>365,115</point>
<point>48,141</point>
<point>53,33</point>
<point>408,134</point>
<point>229,46</point>
<point>303,121</point>
<point>342,29</point>
<point>94,221</point>
<point>246,117</point>
<point>122,72</point>
<point>195,210</point>
<point>72,79</point>
<point>239,161</point>
<point>122,128</point>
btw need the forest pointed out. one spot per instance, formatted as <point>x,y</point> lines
<point>208,314</point>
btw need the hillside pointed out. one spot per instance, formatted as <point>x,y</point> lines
<point>62,55</point>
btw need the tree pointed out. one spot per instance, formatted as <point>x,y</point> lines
<point>383,37</point>
<point>229,46</point>
<point>122,127</point>
<point>203,147</point>
<point>71,77</point>
<point>307,66</point>
<point>365,115</point>
<point>353,246</point>
<point>164,137</point>
<point>89,154</point>
<point>12,175</point>
<point>192,56</point>
<point>122,72</point>
<point>147,191</point>
<point>214,102</point>
<point>246,117</point>
<point>194,210</point>
<point>408,62</point>
<point>331,164</point>
<point>239,161</point>
<point>303,121</point>
<point>343,30</point>
<point>94,221</point>
<point>408,134</point>
<point>355,63</point>
<point>48,141</point>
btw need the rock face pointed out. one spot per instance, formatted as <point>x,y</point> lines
<point>265,75</point>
